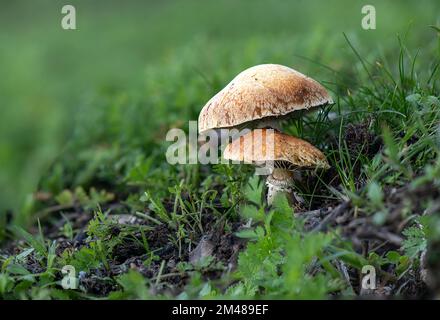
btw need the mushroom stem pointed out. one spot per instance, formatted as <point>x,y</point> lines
<point>281,181</point>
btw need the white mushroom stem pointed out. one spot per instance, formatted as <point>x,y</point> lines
<point>281,181</point>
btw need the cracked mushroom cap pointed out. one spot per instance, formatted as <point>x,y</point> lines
<point>261,145</point>
<point>262,91</point>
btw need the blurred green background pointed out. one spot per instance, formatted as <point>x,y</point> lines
<point>132,69</point>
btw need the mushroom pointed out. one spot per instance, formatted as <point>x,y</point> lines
<point>288,154</point>
<point>261,96</point>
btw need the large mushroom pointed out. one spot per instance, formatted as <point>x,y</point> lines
<point>287,153</point>
<point>260,96</point>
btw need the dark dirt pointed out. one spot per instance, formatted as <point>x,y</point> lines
<point>366,236</point>
<point>98,282</point>
<point>360,140</point>
<point>131,255</point>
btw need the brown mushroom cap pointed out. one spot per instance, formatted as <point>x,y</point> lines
<point>287,152</point>
<point>267,90</point>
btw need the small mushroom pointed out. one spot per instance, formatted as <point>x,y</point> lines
<point>288,154</point>
<point>261,96</point>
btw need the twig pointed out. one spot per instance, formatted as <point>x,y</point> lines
<point>312,213</point>
<point>344,270</point>
<point>332,215</point>
<point>167,275</point>
<point>382,235</point>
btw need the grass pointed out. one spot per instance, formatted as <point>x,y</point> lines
<point>133,226</point>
